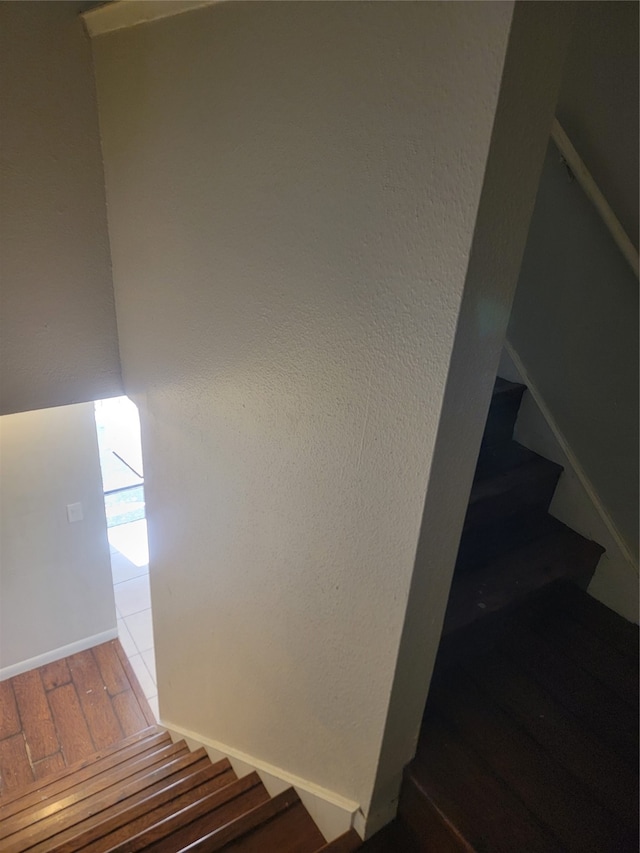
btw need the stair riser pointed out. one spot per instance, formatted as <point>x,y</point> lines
<point>530,493</point>
<point>425,824</point>
<point>488,542</point>
<point>501,420</point>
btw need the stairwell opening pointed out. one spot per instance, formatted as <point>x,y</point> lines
<point>119,443</point>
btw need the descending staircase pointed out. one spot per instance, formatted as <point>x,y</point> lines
<point>147,793</point>
<point>511,548</point>
<point>529,739</point>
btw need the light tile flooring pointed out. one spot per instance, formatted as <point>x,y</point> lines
<point>130,570</point>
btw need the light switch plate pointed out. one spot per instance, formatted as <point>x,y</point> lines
<point>74,512</point>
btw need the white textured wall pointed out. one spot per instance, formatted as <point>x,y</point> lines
<point>55,577</point>
<point>293,190</point>
<point>58,338</point>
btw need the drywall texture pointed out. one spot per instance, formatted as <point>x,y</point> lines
<point>292,190</point>
<point>58,338</point>
<point>574,326</point>
<point>55,577</point>
<point>537,45</point>
<point>598,101</point>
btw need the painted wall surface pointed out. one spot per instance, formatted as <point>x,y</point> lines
<point>575,502</point>
<point>599,100</point>
<point>292,191</point>
<point>537,46</point>
<point>55,577</point>
<point>574,326</point>
<point>58,338</point>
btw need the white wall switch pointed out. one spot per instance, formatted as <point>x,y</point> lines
<point>74,512</point>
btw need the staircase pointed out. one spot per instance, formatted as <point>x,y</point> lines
<point>529,739</point>
<point>147,793</point>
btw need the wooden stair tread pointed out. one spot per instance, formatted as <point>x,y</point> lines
<point>585,697</point>
<point>504,386</point>
<point>484,812</point>
<point>547,721</point>
<point>557,798</point>
<point>521,469</point>
<point>280,824</point>
<point>620,635</point>
<point>396,836</point>
<point>188,824</point>
<point>54,783</point>
<point>346,843</point>
<point>124,773</point>
<point>69,820</point>
<point>137,811</point>
<point>509,580</point>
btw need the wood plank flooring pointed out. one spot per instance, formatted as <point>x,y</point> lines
<point>63,712</point>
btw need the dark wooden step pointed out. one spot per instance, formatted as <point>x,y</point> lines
<point>548,790</point>
<point>508,507</point>
<point>620,635</point>
<point>579,643</point>
<point>74,774</point>
<point>462,806</point>
<point>584,697</point>
<point>480,600</point>
<point>75,827</point>
<point>282,824</point>
<point>394,837</point>
<point>430,829</point>
<point>501,419</point>
<point>136,811</point>
<point>532,746</point>
<point>197,818</point>
<point>545,719</point>
<point>347,843</point>
<point>126,772</point>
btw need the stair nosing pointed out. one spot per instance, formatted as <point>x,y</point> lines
<point>160,755</point>
<point>39,787</point>
<point>223,795</point>
<point>81,836</point>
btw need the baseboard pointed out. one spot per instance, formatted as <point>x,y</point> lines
<point>56,654</point>
<point>333,814</point>
<point>576,502</point>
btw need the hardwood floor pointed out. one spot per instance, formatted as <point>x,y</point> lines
<point>64,712</point>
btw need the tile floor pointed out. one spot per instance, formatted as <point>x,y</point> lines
<point>130,570</point>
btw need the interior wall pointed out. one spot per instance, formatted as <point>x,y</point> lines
<point>574,325</point>
<point>599,101</point>
<point>55,577</point>
<point>537,47</point>
<point>293,190</point>
<point>58,337</point>
<point>574,321</point>
<point>615,582</point>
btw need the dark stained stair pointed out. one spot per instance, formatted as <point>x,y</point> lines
<point>529,740</point>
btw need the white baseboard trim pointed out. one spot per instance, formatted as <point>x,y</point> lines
<point>123,14</point>
<point>56,654</point>
<point>332,813</point>
<point>566,449</point>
